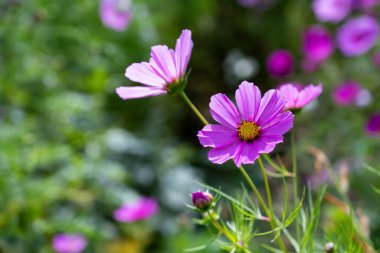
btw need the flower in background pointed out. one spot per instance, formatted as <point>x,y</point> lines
<point>248,3</point>
<point>202,200</point>
<point>317,44</point>
<point>69,243</point>
<point>365,5</point>
<point>297,98</point>
<point>358,35</point>
<point>331,10</point>
<point>115,14</point>
<point>373,125</point>
<point>376,59</point>
<point>141,209</point>
<point>244,133</point>
<point>280,63</point>
<point>165,70</point>
<point>347,93</point>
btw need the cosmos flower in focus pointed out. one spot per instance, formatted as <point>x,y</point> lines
<point>347,93</point>
<point>317,44</point>
<point>69,243</point>
<point>280,63</point>
<point>331,10</point>
<point>142,209</point>
<point>115,14</point>
<point>358,35</point>
<point>254,128</point>
<point>373,125</point>
<point>297,98</point>
<point>164,72</point>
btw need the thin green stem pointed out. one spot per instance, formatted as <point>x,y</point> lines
<point>271,216</point>
<point>226,232</point>
<point>295,179</point>
<point>192,106</point>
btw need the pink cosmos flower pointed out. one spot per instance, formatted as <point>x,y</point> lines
<point>141,209</point>
<point>244,133</point>
<point>347,93</point>
<point>280,63</point>
<point>317,44</point>
<point>331,10</point>
<point>165,69</point>
<point>358,35</point>
<point>298,98</point>
<point>69,243</point>
<point>373,125</point>
<point>115,14</point>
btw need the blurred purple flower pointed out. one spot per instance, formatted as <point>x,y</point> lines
<point>317,44</point>
<point>298,98</point>
<point>141,209</point>
<point>331,10</point>
<point>347,93</point>
<point>280,63</point>
<point>115,14</point>
<point>365,5</point>
<point>248,3</point>
<point>254,128</point>
<point>373,125</point>
<point>166,68</point>
<point>358,35</point>
<point>376,59</point>
<point>202,200</point>
<point>69,243</point>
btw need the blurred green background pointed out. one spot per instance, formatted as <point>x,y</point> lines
<point>71,151</point>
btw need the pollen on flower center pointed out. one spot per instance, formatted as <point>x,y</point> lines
<point>248,130</point>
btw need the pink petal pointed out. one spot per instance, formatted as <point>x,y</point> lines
<point>247,154</point>
<point>162,61</point>
<point>248,99</point>
<point>308,94</point>
<point>216,136</point>
<point>221,154</point>
<point>280,125</point>
<point>183,50</point>
<point>144,73</point>
<point>138,92</point>
<point>271,105</point>
<point>224,111</point>
<point>291,95</point>
<point>266,144</point>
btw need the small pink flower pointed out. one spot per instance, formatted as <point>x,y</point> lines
<point>254,128</point>
<point>115,14</point>
<point>317,44</point>
<point>69,243</point>
<point>347,93</point>
<point>202,200</point>
<point>142,209</point>
<point>298,98</point>
<point>373,125</point>
<point>280,63</point>
<point>331,10</point>
<point>166,68</point>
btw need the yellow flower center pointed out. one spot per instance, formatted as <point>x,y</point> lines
<point>248,130</point>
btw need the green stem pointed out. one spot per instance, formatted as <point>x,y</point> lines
<point>295,179</point>
<point>226,233</point>
<point>192,106</point>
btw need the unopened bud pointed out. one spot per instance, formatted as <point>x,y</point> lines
<point>329,247</point>
<point>202,200</point>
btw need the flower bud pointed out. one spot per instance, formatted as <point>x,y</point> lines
<point>202,200</point>
<point>329,247</point>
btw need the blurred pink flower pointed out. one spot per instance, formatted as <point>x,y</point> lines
<point>142,209</point>
<point>373,125</point>
<point>317,44</point>
<point>115,14</point>
<point>347,93</point>
<point>331,10</point>
<point>166,67</point>
<point>69,243</point>
<point>365,5</point>
<point>358,35</point>
<point>254,128</point>
<point>376,59</point>
<point>280,63</point>
<point>298,98</point>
